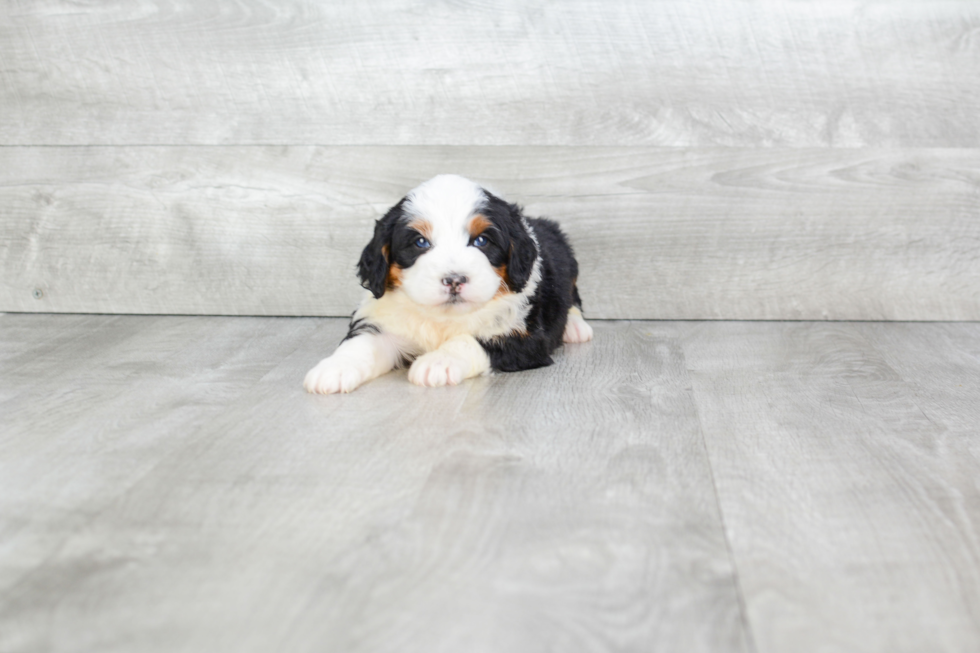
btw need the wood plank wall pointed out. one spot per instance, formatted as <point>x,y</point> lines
<point>741,160</point>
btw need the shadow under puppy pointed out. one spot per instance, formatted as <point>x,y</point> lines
<point>460,283</point>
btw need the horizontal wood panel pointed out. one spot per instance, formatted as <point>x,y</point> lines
<point>661,233</point>
<point>587,72</point>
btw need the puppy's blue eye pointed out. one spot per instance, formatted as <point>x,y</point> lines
<point>422,243</point>
<point>480,241</point>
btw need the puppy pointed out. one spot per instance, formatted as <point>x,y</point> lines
<point>459,282</point>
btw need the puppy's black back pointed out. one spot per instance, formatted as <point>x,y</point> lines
<point>555,295</point>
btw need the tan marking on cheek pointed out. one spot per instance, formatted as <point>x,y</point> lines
<point>479,224</point>
<point>504,288</point>
<point>394,276</point>
<point>384,252</point>
<point>424,227</point>
<point>501,271</point>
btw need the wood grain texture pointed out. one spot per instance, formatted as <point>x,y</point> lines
<point>198,499</point>
<point>166,485</point>
<point>660,233</point>
<point>938,362</point>
<point>679,73</point>
<point>91,404</point>
<point>851,508</point>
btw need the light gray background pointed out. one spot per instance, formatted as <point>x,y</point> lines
<point>731,486</point>
<point>743,160</point>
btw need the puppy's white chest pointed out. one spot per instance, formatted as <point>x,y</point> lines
<point>424,329</point>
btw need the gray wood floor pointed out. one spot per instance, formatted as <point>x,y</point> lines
<point>165,485</point>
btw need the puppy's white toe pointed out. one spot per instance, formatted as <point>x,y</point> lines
<point>576,329</point>
<point>436,369</point>
<point>331,376</point>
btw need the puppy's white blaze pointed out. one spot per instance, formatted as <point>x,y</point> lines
<point>451,254</point>
<point>448,203</point>
<point>445,199</point>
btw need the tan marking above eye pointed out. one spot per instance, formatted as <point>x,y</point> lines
<point>478,224</point>
<point>424,227</point>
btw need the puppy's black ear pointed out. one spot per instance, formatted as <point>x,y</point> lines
<point>376,257</point>
<point>523,251</point>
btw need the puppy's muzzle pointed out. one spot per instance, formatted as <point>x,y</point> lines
<point>454,282</point>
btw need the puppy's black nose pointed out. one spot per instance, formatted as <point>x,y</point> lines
<point>454,281</point>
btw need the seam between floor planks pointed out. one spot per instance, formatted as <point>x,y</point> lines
<point>846,382</point>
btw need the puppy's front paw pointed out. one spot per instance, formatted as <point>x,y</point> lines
<point>331,375</point>
<point>576,329</point>
<point>437,369</point>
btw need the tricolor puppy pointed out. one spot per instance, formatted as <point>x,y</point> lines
<point>460,283</point>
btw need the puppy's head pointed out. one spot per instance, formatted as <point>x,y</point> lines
<point>449,243</point>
